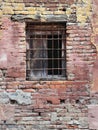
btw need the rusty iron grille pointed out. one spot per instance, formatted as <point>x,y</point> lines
<point>46,51</point>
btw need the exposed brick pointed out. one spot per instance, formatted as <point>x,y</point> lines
<point>49,105</point>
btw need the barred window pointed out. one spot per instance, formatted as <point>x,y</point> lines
<point>46,51</point>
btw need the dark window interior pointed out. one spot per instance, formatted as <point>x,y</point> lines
<point>46,51</point>
<point>54,45</point>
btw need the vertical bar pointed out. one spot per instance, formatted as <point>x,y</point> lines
<point>46,61</point>
<point>64,54</point>
<point>42,66</point>
<point>58,58</point>
<point>28,54</point>
<point>52,58</point>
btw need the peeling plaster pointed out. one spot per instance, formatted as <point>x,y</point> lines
<point>19,97</point>
<point>82,8</point>
<point>83,12</point>
<point>3,57</point>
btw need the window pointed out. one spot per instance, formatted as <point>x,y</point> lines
<point>46,51</point>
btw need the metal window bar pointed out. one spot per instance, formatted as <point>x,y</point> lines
<point>46,51</point>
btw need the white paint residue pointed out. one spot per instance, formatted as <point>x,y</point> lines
<point>3,57</point>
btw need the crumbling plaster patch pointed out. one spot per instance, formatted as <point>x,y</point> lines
<point>82,8</point>
<point>19,97</point>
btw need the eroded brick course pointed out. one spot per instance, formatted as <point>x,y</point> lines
<point>48,105</point>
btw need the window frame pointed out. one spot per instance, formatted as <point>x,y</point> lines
<point>58,24</point>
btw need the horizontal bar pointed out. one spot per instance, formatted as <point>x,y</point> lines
<point>49,78</point>
<point>45,29</point>
<point>42,59</point>
<point>45,69</point>
<point>38,36</point>
<point>44,49</point>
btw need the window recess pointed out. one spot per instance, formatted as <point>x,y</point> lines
<point>46,51</point>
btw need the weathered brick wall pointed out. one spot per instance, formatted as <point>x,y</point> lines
<point>93,108</point>
<point>45,105</point>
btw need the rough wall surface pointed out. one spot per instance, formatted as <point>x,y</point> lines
<point>93,108</point>
<point>49,105</point>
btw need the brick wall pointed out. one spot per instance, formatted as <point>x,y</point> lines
<point>46,105</point>
<point>93,107</point>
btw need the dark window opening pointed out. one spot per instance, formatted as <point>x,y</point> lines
<point>54,55</point>
<point>46,51</point>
